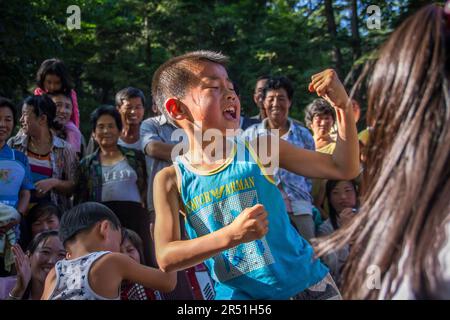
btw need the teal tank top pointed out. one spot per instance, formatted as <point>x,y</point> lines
<point>277,266</point>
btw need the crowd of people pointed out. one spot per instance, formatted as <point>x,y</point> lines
<point>125,215</point>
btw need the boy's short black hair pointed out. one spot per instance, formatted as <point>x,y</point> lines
<point>6,103</point>
<point>83,217</point>
<point>106,110</point>
<point>276,83</point>
<point>174,76</point>
<point>56,67</point>
<point>127,94</point>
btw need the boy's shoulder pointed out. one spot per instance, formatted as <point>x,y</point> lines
<point>167,175</point>
<point>50,284</point>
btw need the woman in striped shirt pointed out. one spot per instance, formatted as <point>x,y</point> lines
<point>53,161</point>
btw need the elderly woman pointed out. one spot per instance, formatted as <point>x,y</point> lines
<point>52,160</point>
<point>320,118</point>
<point>115,175</point>
<point>277,100</point>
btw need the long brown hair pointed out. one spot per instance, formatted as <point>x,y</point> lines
<point>406,183</point>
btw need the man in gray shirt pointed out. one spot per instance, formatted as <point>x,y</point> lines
<point>157,145</point>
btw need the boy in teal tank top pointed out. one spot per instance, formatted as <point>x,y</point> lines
<point>234,214</point>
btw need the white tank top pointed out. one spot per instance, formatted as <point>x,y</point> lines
<point>72,279</point>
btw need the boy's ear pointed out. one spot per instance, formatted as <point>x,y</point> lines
<point>175,108</point>
<point>103,228</point>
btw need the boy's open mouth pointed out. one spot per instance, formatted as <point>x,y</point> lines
<point>230,113</point>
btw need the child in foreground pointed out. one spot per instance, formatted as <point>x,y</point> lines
<point>94,269</point>
<point>229,203</point>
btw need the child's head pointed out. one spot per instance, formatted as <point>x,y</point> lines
<point>44,251</point>
<point>64,107</point>
<point>132,245</point>
<point>341,194</point>
<point>7,118</point>
<point>53,77</point>
<point>91,222</point>
<point>195,87</point>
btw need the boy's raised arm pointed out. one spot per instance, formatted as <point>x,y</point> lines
<point>344,163</point>
<point>172,253</point>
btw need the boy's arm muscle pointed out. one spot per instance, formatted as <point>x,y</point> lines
<point>149,277</point>
<point>172,253</point>
<point>312,164</point>
<point>344,163</point>
<point>274,152</point>
<point>49,285</point>
<point>175,254</point>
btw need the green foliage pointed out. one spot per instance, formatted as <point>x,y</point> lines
<point>121,43</point>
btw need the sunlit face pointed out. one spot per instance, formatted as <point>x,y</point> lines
<point>45,256</point>
<point>29,121</point>
<point>130,250</point>
<point>213,100</point>
<point>52,83</point>
<point>277,105</point>
<point>43,223</point>
<point>106,132</point>
<point>322,124</point>
<point>258,93</point>
<point>132,111</point>
<point>6,124</point>
<point>63,108</point>
<point>343,196</point>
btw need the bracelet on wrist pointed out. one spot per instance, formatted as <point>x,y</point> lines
<point>13,297</point>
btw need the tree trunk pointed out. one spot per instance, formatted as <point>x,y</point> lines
<point>356,41</point>
<point>336,54</point>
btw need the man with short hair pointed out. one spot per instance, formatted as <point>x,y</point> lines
<point>257,96</point>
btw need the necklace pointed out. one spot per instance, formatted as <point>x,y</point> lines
<point>35,149</point>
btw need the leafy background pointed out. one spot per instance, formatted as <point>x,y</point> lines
<point>121,43</point>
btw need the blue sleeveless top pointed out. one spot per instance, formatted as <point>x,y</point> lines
<point>277,266</point>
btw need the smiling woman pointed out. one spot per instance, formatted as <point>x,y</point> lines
<point>15,184</point>
<point>115,175</point>
<point>32,268</point>
<point>15,176</point>
<point>52,160</point>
